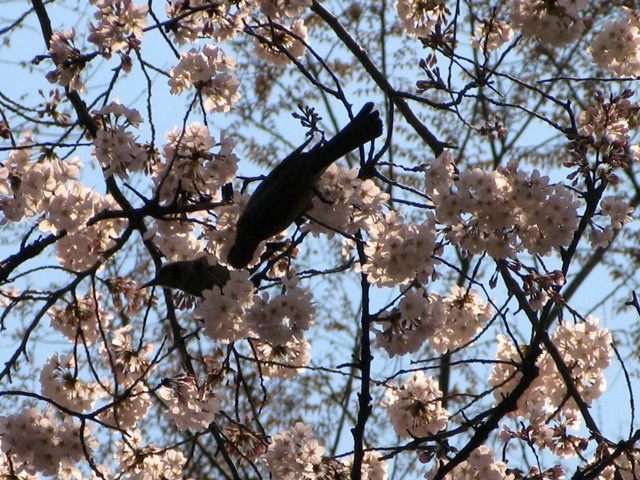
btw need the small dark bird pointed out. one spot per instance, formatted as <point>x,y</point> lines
<point>287,192</point>
<point>190,276</point>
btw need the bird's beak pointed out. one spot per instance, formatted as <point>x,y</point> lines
<point>152,283</point>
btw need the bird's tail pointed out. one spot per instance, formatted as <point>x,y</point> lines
<point>365,127</point>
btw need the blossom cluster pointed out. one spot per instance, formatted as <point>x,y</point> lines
<point>618,212</point>
<point>447,322</point>
<point>415,409</point>
<point>295,454</point>
<point>345,202</point>
<point>210,72</point>
<point>50,190</point>
<point>81,317</point>
<point>275,44</point>
<point>481,465</point>
<point>399,252</point>
<point>465,315</point>
<point>190,406</point>
<point>130,363</point>
<point>36,442</point>
<point>284,317</point>
<point>235,312</point>
<point>114,146</point>
<point>60,382</point>
<point>189,166</point>
<point>498,212</point>
<point>419,18</point>
<point>222,310</point>
<point>586,350</point>
<point>491,34</point>
<point>141,462</point>
<point>67,59</point>
<point>283,8</point>
<point>176,239</point>
<point>617,47</point>
<point>609,121</point>
<point>416,319</point>
<point>119,25</point>
<point>283,361</point>
<point>553,23</point>
<point>195,19</point>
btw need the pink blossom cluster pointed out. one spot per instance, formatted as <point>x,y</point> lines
<point>618,212</point>
<point>627,466</point>
<point>372,467</point>
<point>294,454</point>
<point>415,408</point>
<point>128,406</point>
<point>284,317</point>
<point>399,252</point>
<point>586,351</point>
<point>195,19</point>
<point>126,356</point>
<point>416,319</point>
<point>465,315</point>
<point>130,364</point>
<point>50,190</point>
<point>115,146</point>
<point>498,212</point>
<point>235,312</point>
<point>283,361</point>
<point>420,17</point>
<point>209,71</point>
<point>27,187</point>
<point>283,8</point>
<point>190,165</point>
<point>276,38</point>
<point>617,47</point>
<point>223,310</point>
<point>176,239</point>
<point>8,471</point>
<point>346,203</point>
<point>85,247</point>
<point>67,59</point>
<point>552,23</point>
<point>190,406</point>
<point>481,465</point>
<point>36,442</point>
<point>609,122</point>
<point>491,34</point>
<point>119,24</point>
<point>60,382</point>
<point>81,317</point>
<point>146,462</point>
<point>447,322</point>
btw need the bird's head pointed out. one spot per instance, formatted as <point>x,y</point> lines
<point>243,249</point>
<point>190,276</point>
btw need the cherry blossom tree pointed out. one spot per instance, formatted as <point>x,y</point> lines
<point>458,301</point>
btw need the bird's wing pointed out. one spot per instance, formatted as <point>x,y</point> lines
<point>281,197</point>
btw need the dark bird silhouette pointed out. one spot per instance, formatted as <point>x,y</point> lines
<point>287,192</point>
<point>190,276</point>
